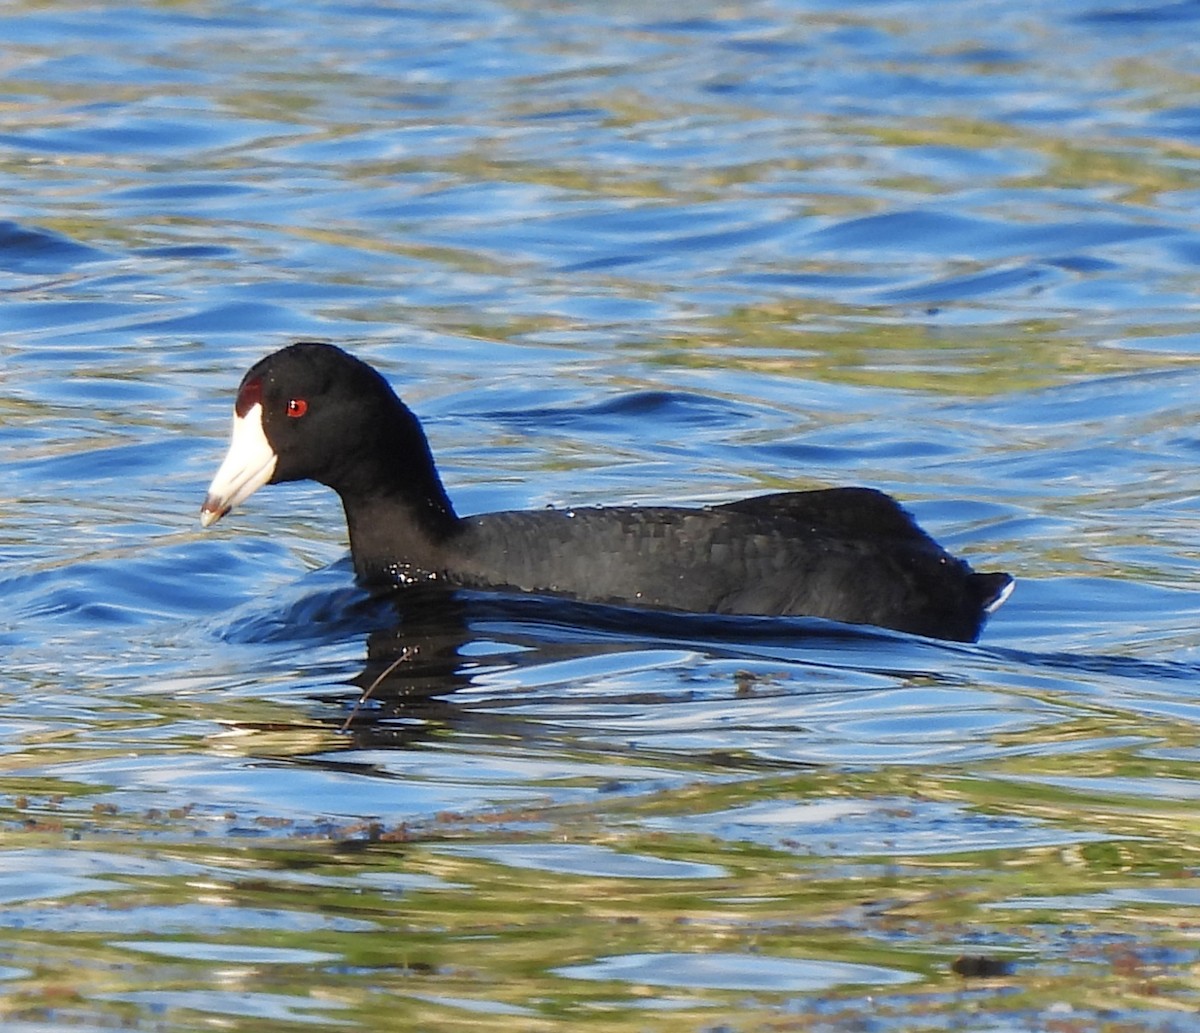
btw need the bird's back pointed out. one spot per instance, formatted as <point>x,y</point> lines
<point>847,554</point>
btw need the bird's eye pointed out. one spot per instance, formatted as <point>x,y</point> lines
<point>296,408</point>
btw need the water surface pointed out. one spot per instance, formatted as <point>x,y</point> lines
<point>608,255</point>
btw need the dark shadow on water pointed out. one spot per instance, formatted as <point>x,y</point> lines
<point>1108,665</point>
<point>424,644</point>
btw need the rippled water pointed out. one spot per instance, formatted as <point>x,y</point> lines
<point>606,254</point>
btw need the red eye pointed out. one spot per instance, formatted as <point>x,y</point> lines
<point>296,408</point>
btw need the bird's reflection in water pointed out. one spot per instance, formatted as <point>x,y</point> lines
<point>429,643</point>
<point>414,666</point>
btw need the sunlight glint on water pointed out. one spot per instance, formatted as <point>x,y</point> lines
<point>607,255</point>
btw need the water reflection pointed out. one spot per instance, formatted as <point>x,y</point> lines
<point>524,669</point>
<point>948,251</point>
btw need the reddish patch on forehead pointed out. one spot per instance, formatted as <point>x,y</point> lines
<point>249,396</point>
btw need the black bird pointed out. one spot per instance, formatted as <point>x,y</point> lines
<point>312,411</point>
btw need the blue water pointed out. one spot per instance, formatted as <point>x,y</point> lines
<point>607,255</point>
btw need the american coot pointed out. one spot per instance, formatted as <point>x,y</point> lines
<point>312,411</point>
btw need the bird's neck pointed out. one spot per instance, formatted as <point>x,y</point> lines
<point>393,537</point>
<point>397,510</point>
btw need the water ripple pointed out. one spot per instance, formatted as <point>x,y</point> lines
<point>608,255</point>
